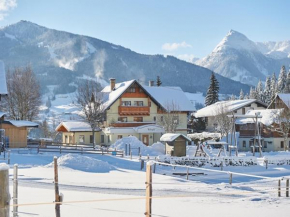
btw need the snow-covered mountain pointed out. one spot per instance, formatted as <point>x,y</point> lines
<point>63,59</point>
<point>243,60</point>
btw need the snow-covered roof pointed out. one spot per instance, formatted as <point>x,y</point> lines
<point>21,123</point>
<point>285,97</point>
<point>268,116</point>
<point>170,137</point>
<point>168,95</point>
<point>110,97</point>
<point>164,96</point>
<point>2,114</point>
<point>228,106</point>
<point>76,126</point>
<point>3,85</point>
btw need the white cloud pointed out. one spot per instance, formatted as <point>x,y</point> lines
<point>188,58</point>
<point>175,46</point>
<point>5,6</point>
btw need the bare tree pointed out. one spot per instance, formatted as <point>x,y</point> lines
<point>282,124</point>
<point>169,119</point>
<point>24,97</point>
<point>90,101</point>
<point>223,123</point>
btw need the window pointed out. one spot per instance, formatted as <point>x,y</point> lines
<point>102,139</point>
<point>244,144</point>
<point>154,118</point>
<point>282,144</point>
<point>176,119</point>
<point>126,103</point>
<point>81,138</point>
<point>138,119</point>
<point>243,111</point>
<point>138,103</point>
<point>123,119</point>
<point>132,90</point>
<point>120,136</point>
<point>265,144</point>
<point>91,139</point>
<point>251,144</point>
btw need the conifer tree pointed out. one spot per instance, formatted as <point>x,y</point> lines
<point>274,88</point>
<point>241,94</point>
<point>282,80</point>
<point>158,82</point>
<point>267,91</point>
<point>260,91</point>
<point>246,96</point>
<point>287,86</point>
<point>212,95</point>
<point>233,97</point>
<point>253,93</point>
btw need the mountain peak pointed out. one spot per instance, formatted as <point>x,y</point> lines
<point>236,40</point>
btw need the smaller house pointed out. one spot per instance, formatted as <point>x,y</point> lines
<point>281,100</point>
<point>15,132</point>
<point>239,107</point>
<point>78,132</point>
<point>270,139</point>
<point>175,144</point>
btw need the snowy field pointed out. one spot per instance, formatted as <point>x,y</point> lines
<point>110,186</point>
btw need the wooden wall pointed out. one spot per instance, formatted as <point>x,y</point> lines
<point>17,135</point>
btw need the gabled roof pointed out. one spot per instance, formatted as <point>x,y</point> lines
<point>3,85</point>
<point>75,126</point>
<point>170,137</point>
<point>21,123</point>
<point>285,97</point>
<point>162,96</point>
<point>268,116</point>
<point>109,97</point>
<point>2,114</point>
<point>167,96</point>
<point>229,106</point>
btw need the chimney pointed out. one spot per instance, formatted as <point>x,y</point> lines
<point>151,83</point>
<point>112,83</point>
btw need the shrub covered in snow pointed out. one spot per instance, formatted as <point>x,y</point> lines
<point>84,163</point>
<point>154,150</point>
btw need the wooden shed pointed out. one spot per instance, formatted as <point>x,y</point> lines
<point>16,132</point>
<point>175,144</point>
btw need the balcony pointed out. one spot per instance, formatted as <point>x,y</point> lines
<point>134,110</point>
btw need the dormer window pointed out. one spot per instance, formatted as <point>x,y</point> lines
<point>132,90</point>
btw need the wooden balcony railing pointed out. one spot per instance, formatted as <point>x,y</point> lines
<point>134,110</point>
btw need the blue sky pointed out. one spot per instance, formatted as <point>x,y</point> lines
<point>181,27</point>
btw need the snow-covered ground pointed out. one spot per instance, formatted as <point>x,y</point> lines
<point>113,186</point>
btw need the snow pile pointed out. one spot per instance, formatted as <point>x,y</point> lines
<point>135,144</point>
<point>83,163</point>
<point>191,150</point>
<point>204,136</point>
<point>269,116</point>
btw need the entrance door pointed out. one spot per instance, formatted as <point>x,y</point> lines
<point>145,139</point>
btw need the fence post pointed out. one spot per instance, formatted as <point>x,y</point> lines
<point>102,151</point>
<point>131,155</point>
<point>15,190</point>
<point>142,164</point>
<point>222,165</point>
<point>129,148</point>
<point>8,161</point>
<point>139,153</point>
<point>266,161</point>
<point>187,173</point>
<point>148,158</point>
<point>287,187</point>
<point>126,149</point>
<point>56,189</point>
<point>148,190</point>
<point>231,178</point>
<point>4,190</point>
<point>82,149</point>
<point>60,149</point>
<point>38,149</point>
<point>154,168</point>
<point>279,188</point>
